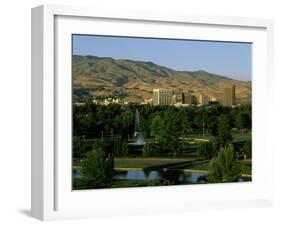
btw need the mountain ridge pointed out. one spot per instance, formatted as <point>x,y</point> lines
<point>99,77</point>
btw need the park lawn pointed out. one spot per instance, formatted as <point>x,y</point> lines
<point>238,137</point>
<point>199,135</point>
<point>146,162</point>
<point>246,167</point>
<point>203,166</point>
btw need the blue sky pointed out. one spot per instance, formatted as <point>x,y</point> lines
<point>230,59</point>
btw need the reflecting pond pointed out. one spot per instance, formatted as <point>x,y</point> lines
<point>173,176</point>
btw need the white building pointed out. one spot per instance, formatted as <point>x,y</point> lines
<point>162,96</point>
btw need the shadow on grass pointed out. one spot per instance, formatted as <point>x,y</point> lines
<point>174,166</point>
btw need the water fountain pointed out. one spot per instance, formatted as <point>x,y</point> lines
<point>138,134</point>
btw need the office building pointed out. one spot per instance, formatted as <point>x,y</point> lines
<point>229,96</point>
<point>162,97</point>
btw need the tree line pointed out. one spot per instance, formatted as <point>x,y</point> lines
<point>90,119</point>
<point>165,125</point>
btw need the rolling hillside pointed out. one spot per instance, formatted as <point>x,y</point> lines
<point>134,80</point>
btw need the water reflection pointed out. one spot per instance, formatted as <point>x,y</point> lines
<point>167,177</point>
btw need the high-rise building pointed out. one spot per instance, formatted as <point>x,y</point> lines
<point>162,96</point>
<point>229,96</point>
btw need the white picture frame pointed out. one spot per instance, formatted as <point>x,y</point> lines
<point>52,197</point>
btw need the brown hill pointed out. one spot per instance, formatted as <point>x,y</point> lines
<point>129,80</point>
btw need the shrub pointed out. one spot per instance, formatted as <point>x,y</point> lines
<point>98,167</point>
<point>225,167</point>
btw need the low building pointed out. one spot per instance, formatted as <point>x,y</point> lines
<point>148,101</point>
<point>203,99</point>
<point>181,105</point>
<point>187,98</point>
<point>194,99</point>
<point>212,98</point>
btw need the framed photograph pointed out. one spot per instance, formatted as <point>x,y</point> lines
<point>137,112</point>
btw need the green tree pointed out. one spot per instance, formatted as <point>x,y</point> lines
<point>243,120</point>
<point>205,150</point>
<point>78,147</point>
<point>98,167</point>
<point>151,149</point>
<point>118,147</point>
<point>166,129</point>
<point>247,149</point>
<point>224,130</point>
<point>157,128</point>
<point>212,123</point>
<point>186,115</point>
<point>215,145</point>
<point>225,167</point>
<point>173,131</point>
<point>127,121</point>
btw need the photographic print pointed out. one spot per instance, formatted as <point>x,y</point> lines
<point>160,112</point>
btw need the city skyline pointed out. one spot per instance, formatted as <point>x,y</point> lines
<point>229,59</point>
<point>162,96</point>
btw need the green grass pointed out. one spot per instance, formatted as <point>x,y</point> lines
<point>246,167</point>
<point>238,137</point>
<point>200,136</point>
<point>203,166</point>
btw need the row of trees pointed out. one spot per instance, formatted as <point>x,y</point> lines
<point>162,124</point>
<point>169,134</point>
<point>92,120</point>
